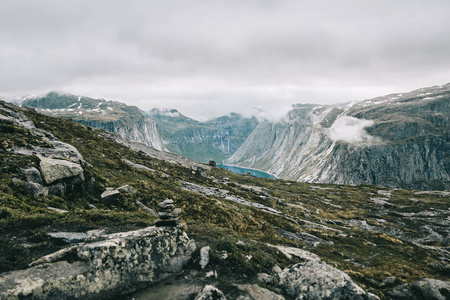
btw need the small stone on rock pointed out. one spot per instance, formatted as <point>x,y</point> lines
<point>166,202</point>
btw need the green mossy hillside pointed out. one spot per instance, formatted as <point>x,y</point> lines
<point>365,237</point>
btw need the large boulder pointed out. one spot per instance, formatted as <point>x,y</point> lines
<point>113,265</point>
<point>56,169</point>
<point>314,279</point>
<point>424,289</point>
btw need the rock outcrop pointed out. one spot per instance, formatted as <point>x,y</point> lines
<point>109,266</point>
<point>60,169</point>
<point>56,169</point>
<point>54,177</point>
<point>314,279</point>
<point>424,289</point>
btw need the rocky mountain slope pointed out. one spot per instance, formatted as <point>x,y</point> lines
<point>215,139</point>
<point>127,121</point>
<point>400,140</point>
<point>256,238</point>
<point>161,129</point>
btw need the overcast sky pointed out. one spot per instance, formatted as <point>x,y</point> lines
<point>207,58</point>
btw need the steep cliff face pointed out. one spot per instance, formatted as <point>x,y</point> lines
<point>216,139</point>
<point>293,148</point>
<point>128,121</point>
<point>399,140</point>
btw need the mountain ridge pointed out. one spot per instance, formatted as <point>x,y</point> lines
<point>162,129</point>
<point>404,134</point>
<point>397,140</point>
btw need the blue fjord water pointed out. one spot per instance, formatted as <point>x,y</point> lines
<point>241,171</point>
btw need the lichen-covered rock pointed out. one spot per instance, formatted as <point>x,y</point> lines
<point>57,169</point>
<point>32,175</point>
<point>318,280</point>
<point>58,149</point>
<point>314,279</point>
<point>36,189</point>
<point>424,289</point>
<point>116,264</point>
<point>210,292</point>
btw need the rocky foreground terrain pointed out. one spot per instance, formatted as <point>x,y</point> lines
<point>78,208</point>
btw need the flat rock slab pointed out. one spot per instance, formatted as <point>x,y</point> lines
<point>110,194</point>
<point>31,281</point>
<point>300,253</point>
<point>70,237</point>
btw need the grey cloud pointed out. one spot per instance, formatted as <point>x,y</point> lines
<point>199,54</point>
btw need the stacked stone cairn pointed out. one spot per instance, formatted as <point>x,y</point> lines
<point>168,214</point>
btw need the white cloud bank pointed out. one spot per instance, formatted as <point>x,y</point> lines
<point>210,58</point>
<point>350,130</point>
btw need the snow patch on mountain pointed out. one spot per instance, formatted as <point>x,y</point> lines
<point>167,112</point>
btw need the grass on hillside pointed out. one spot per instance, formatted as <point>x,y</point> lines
<point>366,256</point>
